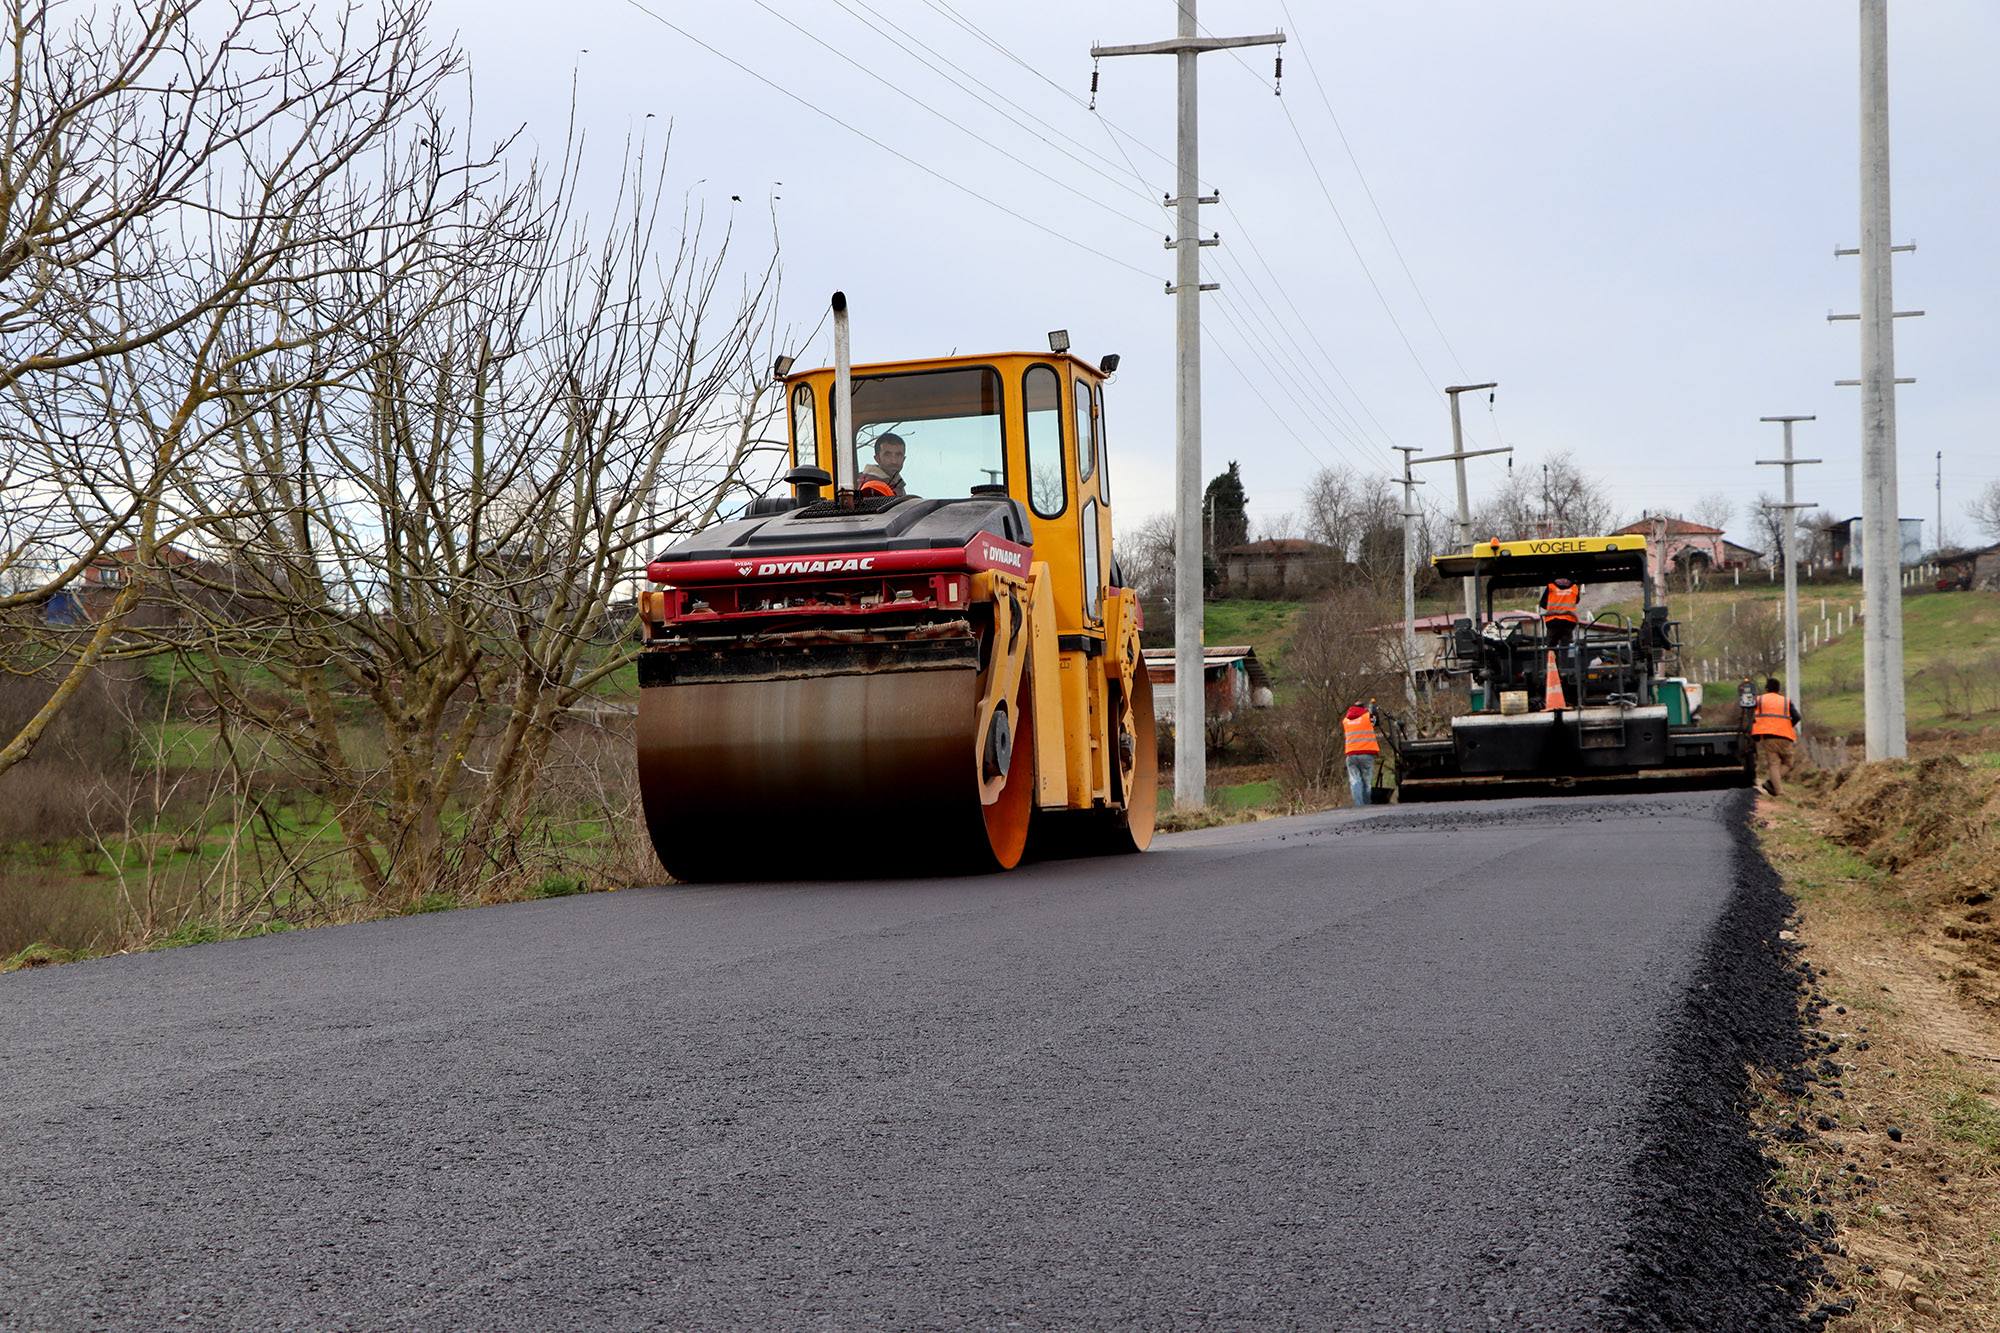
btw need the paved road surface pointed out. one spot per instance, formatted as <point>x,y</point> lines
<point>1358,1070</point>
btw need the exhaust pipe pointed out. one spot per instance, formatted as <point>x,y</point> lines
<point>846,472</point>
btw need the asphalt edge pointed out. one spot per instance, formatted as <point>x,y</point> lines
<point>1708,1249</point>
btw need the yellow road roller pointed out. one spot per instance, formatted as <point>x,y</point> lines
<point>920,657</point>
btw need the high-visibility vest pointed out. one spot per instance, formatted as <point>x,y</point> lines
<point>1774,718</point>
<point>1361,735</point>
<point>1562,603</point>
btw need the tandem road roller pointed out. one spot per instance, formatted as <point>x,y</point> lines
<point>1595,708</point>
<point>918,659</point>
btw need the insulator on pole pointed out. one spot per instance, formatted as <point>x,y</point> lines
<point>1093,85</point>
<point>1278,76</point>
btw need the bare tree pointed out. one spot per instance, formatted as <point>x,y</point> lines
<point>1714,510</point>
<point>441,541</point>
<point>1557,499</point>
<point>1333,661</point>
<point>1984,510</point>
<point>1146,562</point>
<point>170,174</point>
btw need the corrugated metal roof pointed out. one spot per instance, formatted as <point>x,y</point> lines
<point>1160,662</point>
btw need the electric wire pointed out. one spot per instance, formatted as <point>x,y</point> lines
<point>1312,165</point>
<point>1229,314</point>
<point>905,36</point>
<point>1223,349</point>
<point>1312,73</point>
<point>919,102</point>
<point>1296,371</point>
<point>1116,134</point>
<point>1305,360</point>
<point>895,153</point>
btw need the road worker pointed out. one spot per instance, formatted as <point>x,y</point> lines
<point>1773,728</point>
<point>884,476</point>
<point>1558,606</point>
<point>1362,749</point>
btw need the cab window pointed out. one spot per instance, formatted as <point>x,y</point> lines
<point>1048,490</point>
<point>805,427</point>
<point>1086,433</point>
<point>936,431</point>
<point>1103,444</point>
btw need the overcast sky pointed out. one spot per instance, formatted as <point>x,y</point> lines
<point>1625,214</point>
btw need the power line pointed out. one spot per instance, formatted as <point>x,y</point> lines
<point>926,106</point>
<point>895,153</point>
<point>1116,135</point>
<point>1300,374</point>
<point>1284,291</point>
<point>1142,191</point>
<point>1313,73</point>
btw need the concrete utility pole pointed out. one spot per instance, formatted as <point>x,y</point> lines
<point>1791,554</point>
<point>1410,512</point>
<point>1458,455</point>
<point>1881,528</point>
<point>1190,716</point>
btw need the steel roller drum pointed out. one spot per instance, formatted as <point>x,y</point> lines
<point>825,775</point>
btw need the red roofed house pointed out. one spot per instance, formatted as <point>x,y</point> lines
<point>1677,543</point>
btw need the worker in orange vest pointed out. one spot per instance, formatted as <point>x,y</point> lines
<point>1362,750</point>
<point>1558,605</point>
<point>1773,728</point>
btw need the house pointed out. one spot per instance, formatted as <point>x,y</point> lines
<point>1678,544</point>
<point>1234,682</point>
<point>1742,557</point>
<point>1276,565</point>
<point>91,595</point>
<point>1985,570</point>
<point>1844,542</point>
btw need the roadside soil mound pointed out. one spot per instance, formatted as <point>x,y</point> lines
<point>1935,824</point>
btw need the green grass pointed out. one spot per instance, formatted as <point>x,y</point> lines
<point>1245,796</point>
<point>1969,1118</point>
<point>1265,626</point>
<point>1936,627</point>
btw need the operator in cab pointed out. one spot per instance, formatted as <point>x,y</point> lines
<point>1559,606</point>
<point>884,476</point>
<point>1773,729</point>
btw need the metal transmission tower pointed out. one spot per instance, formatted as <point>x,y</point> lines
<point>1791,554</point>
<point>1190,716</point>
<point>1881,525</point>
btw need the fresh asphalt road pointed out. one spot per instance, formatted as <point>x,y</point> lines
<point>1373,1069</point>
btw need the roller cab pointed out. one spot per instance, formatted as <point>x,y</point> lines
<point>920,666</point>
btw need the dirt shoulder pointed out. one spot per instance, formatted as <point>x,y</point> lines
<point>1895,1145</point>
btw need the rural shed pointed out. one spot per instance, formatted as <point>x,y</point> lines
<point>1233,679</point>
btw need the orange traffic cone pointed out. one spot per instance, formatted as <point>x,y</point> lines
<point>1552,691</point>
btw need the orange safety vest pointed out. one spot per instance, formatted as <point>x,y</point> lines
<point>1361,735</point>
<point>1774,717</point>
<point>1562,603</point>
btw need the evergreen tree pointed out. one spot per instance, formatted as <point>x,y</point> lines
<point>1225,518</point>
